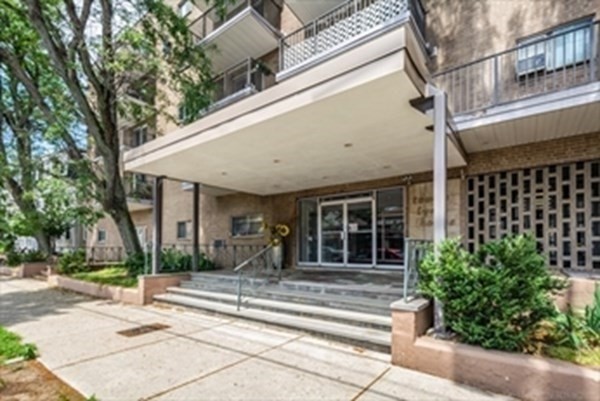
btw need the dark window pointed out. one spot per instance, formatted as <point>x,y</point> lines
<point>182,230</point>
<point>247,225</point>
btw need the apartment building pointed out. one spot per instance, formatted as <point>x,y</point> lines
<point>324,120</point>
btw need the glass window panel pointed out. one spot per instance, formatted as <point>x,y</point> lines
<point>308,230</point>
<point>391,226</point>
<point>246,225</point>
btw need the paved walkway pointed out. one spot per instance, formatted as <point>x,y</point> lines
<point>199,356</point>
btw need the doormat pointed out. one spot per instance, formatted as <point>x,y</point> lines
<point>147,328</point>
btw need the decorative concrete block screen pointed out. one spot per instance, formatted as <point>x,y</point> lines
<point>558,204</point>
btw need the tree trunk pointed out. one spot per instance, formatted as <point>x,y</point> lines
<point>127,230</point>
<point>117,208</point>
<point>44,242</point>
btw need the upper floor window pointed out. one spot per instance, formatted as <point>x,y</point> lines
<point>248,225</point>
<point>561,47</point>
<point>140,136</point>
<point>101,235</point>
<point>185,7</point>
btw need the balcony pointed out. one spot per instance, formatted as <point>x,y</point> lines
<point>240,81</point>
<point>249,29</point>
<point>138,188</point>
<point>540,90</point>
<point>348,24</point>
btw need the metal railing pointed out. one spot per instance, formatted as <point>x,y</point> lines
<point>556,62</point>
<point>225,256</point>
<point>414,251</point>
<point>138,187</point>
<point>250,270</point>
<point>343,24</point>
<point>213,18</point>
<point>96,254</point>
<point>237,82</point>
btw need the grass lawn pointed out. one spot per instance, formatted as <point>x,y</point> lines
<point>11,346</point>
<point>109,276</point>
<point>584,356</point>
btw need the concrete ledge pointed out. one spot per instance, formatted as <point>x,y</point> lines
<point>522,376</point>
<point>25,270</point>
<point>6,271</point>
<point>119,294</point>
<point>151,285</point>
<point>148,287</point>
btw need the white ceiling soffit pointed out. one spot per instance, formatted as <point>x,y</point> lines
<point>245,35</point>
<point>364,133</point>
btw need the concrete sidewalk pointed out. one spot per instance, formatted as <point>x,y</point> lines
<point>199,356</point>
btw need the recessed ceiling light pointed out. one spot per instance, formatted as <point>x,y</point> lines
<point>387,167</point>
<point>347,145</point>
<point>276,161</point>
<point>276,186</point>
<point>224,173</point>
<point>324,177</point>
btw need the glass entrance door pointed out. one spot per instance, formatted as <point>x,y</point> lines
<point>359,229</point>
<point>347,233</point>
<point>332,234</point>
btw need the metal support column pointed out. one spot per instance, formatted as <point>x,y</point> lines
<point>157,194</point>
<point>440,183</point>
<point>195,228</point>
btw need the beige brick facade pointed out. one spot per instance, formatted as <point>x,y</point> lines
<point>462,31</point>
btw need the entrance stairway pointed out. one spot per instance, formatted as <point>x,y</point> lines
<point>351,311</point>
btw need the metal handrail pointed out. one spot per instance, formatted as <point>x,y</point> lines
<point>561,60</point>
<point>239,269</point>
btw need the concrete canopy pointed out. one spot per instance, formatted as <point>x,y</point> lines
<point>332,128</point>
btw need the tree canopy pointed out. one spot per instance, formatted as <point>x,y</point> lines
<point>73,64</point>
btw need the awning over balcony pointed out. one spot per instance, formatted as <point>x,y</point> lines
<point>245,34</point>
<point>348,120</point>
<point>309,10</point>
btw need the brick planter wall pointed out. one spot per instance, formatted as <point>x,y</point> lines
<point>25,270</point>
<point>523,376</point>
<point>119,294</point>
<point>148,286</point>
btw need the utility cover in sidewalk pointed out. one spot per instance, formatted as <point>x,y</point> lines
<point>147,328</point>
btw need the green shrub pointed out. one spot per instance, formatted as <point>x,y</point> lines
<point>15,258</point>
<point>34,256</point>
<point>495,298</point>
<point>577,331</point>
<point>592,313</point>
<point>72,262</point>
<point>136,263</point>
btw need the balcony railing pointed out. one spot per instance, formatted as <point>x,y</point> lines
<point>239,81</point>
<point>342,25</point>
<point>554,63</point>
<point>138,187</point>
<point>212,19</point>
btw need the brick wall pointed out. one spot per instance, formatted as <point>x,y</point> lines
<point>569,149</point>
<point>464,31</point>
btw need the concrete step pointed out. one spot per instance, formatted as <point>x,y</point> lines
<point>360,319</point>
<point>277,293</point>
<point>365,337</point>
<point>356,290</point>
